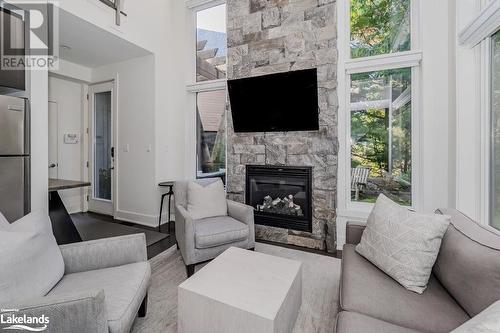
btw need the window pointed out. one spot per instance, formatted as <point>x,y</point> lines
<point>211,133</point>
<point>379,60</point>
<point>379,27</point>
<point>381,135</point>
<point>495,131</point>
<point>208,86</point>
<point>211,43</point>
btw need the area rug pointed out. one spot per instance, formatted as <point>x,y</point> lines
<point>320,290</point>
<point>90,229</point>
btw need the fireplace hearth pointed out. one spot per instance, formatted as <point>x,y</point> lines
<point>281,196</point>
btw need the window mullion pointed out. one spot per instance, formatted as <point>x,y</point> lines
<point>386,61</point>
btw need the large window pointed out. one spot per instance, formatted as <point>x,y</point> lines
<point>379,27</point>
<point>208,86</point>
<point>211,43</point>
<point>381,135</point>
<point>379,64</point>
<point>495,130</point>
<point>211,133</point>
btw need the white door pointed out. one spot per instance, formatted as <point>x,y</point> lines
<point>101,148</point>
<point>53,140</point>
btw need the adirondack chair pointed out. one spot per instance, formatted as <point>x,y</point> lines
<point>359,179</point>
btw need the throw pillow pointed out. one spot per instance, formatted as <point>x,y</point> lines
<point>402,243</point>
<point>206,200</point>
<point>31,263</point>
<point>488,321</point>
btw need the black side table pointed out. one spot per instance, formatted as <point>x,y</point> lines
<point>170,186</point>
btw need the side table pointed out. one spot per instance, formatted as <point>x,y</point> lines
<point>170,186</point>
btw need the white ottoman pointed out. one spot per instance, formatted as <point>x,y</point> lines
<point>241,291</point>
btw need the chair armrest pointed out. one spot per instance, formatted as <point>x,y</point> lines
<point>243,213</point>
<point>184,233</point>
<point>353,232</point>
<point>77,312</point>
<point>104,253</point>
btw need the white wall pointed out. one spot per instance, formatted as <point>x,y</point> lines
<point>437,105</point>
<point>155,26</point>
<point>39,141</point>
<point>69,95</point>
<point>150,113</point>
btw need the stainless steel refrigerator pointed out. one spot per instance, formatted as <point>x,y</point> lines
<point>14,157</point>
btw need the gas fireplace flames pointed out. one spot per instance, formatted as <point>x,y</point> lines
<point>284,206</point>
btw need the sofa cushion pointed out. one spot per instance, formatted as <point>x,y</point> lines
<point>402,243</point>
<point>368,290</point>
<point>124,289</point>
<point>487,321</point>
<point>473,282</point>
<point>351,322</point>
<point>31,263</point>
<point>206,200</point>
<point>220,230</point>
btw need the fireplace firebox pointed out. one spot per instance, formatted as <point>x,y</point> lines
<point>280,195</point>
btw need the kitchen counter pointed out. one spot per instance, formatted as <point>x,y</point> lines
<point>63,227</point>
<point>63,184</point>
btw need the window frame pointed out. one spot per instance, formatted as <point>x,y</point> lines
<point>193,87</point>
<point>347,209</point>
<point>477,36</point>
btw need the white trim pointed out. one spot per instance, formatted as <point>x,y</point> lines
<point>385,61</point>
<point>138,218</point>
<point>482,27</point>
<point>486,143</point>
<point>198,5</point>
<point>206,86</point>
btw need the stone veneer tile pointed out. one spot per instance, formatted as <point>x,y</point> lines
<point>271,36</point>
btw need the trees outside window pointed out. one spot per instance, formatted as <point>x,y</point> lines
<point>381,133</point>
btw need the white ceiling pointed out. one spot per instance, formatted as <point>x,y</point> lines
<point>92,46</point>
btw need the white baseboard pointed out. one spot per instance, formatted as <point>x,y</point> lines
<point>74,209</point>
<point>142,219</point>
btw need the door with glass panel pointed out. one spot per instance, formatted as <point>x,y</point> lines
<point>101,148</point>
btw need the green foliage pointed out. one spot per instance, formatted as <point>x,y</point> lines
<point>369,140</point>
<point>379,26</point>
<point>380,141</point>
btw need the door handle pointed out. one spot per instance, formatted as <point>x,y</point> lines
<point>51,166</point>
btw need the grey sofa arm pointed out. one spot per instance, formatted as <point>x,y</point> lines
<point>184,233</point>
<point>242,213</point>
<point>353,232</point>
<point>83,312</point>
<point>104,253</point>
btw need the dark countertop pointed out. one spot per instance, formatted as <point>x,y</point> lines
<point>62,184</point>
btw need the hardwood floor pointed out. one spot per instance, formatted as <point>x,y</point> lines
<point>170,241</point>
<point>153,249</point>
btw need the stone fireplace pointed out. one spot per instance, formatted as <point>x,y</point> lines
<point>281,196</point>
<point>271,36</point>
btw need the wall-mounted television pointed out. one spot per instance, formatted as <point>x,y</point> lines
<point>275,103</point>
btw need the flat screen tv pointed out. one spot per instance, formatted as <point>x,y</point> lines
<point>275,103</point>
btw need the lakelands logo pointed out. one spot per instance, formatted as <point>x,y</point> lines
<point>10,319</point>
